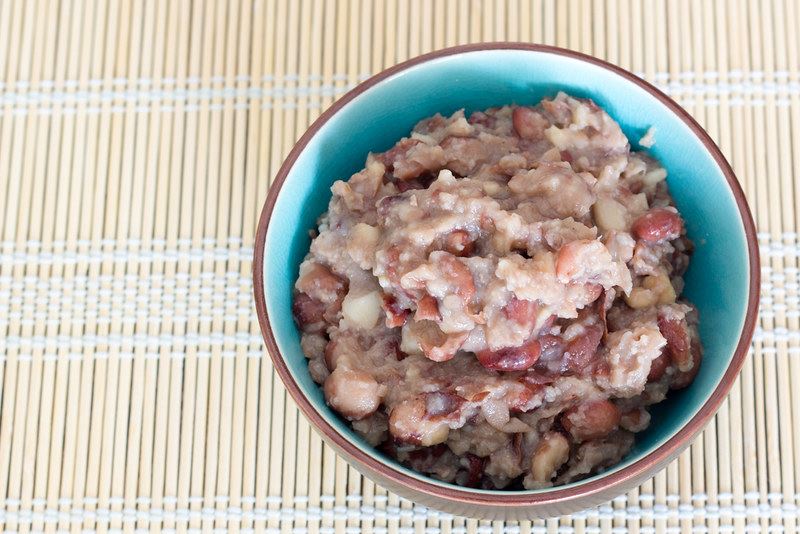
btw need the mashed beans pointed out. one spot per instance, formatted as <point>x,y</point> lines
<point>494,301</point>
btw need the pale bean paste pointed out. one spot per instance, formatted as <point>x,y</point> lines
<point>494,301</point>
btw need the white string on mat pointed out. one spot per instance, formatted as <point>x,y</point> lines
<point>91,341</point>
<point>369,513</point>
<point>70,102</point>
<point>128,256</point>
<point>144,282</point>
<point>291,76</point>
<point>316,106</point>
<point>168,81</point>
<point>674,499</point>
<point>233,92</point>
<point>756,76</point>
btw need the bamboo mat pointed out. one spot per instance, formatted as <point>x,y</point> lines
<point>137,142</point>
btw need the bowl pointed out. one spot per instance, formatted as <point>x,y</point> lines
<point>723,279</point>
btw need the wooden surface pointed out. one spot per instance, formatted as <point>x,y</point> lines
<point>137,142</point>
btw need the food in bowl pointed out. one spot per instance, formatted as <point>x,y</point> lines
<point>494,301</point>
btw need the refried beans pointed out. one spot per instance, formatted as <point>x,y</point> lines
<point>495,300</point>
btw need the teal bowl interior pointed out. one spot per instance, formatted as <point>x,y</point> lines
<point>717,281</point>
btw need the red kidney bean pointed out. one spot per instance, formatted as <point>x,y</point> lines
<point>559,111</point>
<point>553,347</point>
<point>409,423</point>
<point>683,378</point>
<point>591,420</point>
<point>678,343</point>
<point>424,459</point>
<point>536,378</point>
<point>441,403</point>
<point>521,311</point>
<point>580,351</point>
<point>511,358</point>
<point>331,354</point>
<point>548,323</point>
<point>528,123</point>
<point>658,224</point>
<point>308,313</point>
<point>354,394</point>
<point>635,420</point>
<point>658,367</point>
<point>475,467</point>
<point>570,258</point>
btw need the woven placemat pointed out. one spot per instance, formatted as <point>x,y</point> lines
<point>137,141</point>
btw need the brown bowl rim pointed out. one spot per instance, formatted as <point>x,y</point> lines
<point>512,499</point>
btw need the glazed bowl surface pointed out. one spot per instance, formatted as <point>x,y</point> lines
<point>723,279</point>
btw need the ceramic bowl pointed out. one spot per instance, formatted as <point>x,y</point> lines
<point>723,280</point>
